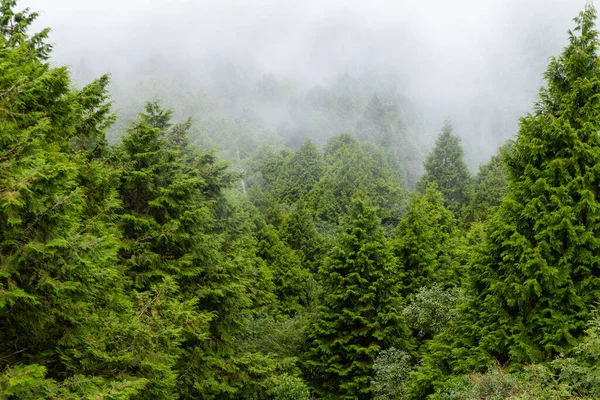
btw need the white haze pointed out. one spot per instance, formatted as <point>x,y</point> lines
<point>477,62</point>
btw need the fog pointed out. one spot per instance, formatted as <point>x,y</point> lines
<point>476,62</point>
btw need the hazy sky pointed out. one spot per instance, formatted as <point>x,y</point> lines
<point>467,59</point>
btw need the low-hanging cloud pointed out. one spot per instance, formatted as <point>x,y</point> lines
<point>478,62</point>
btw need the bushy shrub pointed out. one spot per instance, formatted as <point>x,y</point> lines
<point>287,387</point>
<point>391,370</point>
<point>432,309</point>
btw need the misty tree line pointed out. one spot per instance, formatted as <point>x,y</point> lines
<point>343,266</point>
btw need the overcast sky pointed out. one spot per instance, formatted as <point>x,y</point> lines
<point>466,59</point>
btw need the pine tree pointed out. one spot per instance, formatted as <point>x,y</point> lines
<point>445,167</point>
<point>359,313</point>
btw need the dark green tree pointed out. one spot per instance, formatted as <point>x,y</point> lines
<point>359,313</point>
<point>535,277</point>
<point>300,233</point>
<point>62,301</point>
<point>351,168</point>
<point>423,243</point>
<point>489,188</point>
<point>445,167</point>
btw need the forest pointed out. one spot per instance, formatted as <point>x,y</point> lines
<point>273,243</point>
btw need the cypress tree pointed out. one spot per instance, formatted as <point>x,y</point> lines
<point>359,313</point>
<point>535,277</point>
<point>61,288</point>
<point>445,167</point>
<point>540,261</point>
<point>423,242</point>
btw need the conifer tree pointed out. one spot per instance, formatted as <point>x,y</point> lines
<point>542,243</point>
<point>535,278</point>
<point>352,168</point>
<point>61,289</point>
<point>445,167</point>
<point>376,126</point>
<point>423,242</point>
<point>359,313</point>
<point>300,173</point>
<point>171,196</point>
<point>300,233</point>
<point>489,188</point>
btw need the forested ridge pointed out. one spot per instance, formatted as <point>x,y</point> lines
<point>359,264</point>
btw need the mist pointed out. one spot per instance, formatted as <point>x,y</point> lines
<point>478,63</point>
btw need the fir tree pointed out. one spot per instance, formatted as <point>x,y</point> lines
<point>445,167</point>
<point>424,241</point>
<point>359,314</point>
<point>534,279</point>
<point>61,288</point>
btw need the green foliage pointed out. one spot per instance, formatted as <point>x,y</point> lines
<point>489,188</point>
<point>445,167</point>
<point>359,313</point>
<point>61,287</point>
<point>299,174</point>
<point>574,376</point>
<point>432,309</point>
<point>288,387</point>
<point>423,242</point>
<point>300,233</point>
<point>291,279</point>
<point>391,368</point>
<point>534,277</point>
<point>537,274</point>
<point>352,168</point>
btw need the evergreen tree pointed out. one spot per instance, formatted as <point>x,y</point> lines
<point>534,279</point>
<point>300,233</point>
<point>376,126</point>
<point>61,289</point>
<point>290,277</point>
<point>299,174</point>
<point>424,241</point>
<point>359,314</point>
<point>489,188</point>
<point>352,168</point>
<point>445,167</point>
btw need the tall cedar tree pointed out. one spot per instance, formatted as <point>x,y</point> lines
<point>535,278</point>
<point>445,167</point>
<point>359,314</point>
<point>61,291</point>
<point>299,174</point>
<point>179,248</point>
<point>350,168</point>
<point>423,242</point>
<point>489,188</point>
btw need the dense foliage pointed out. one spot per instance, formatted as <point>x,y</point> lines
<point>150,268</point>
